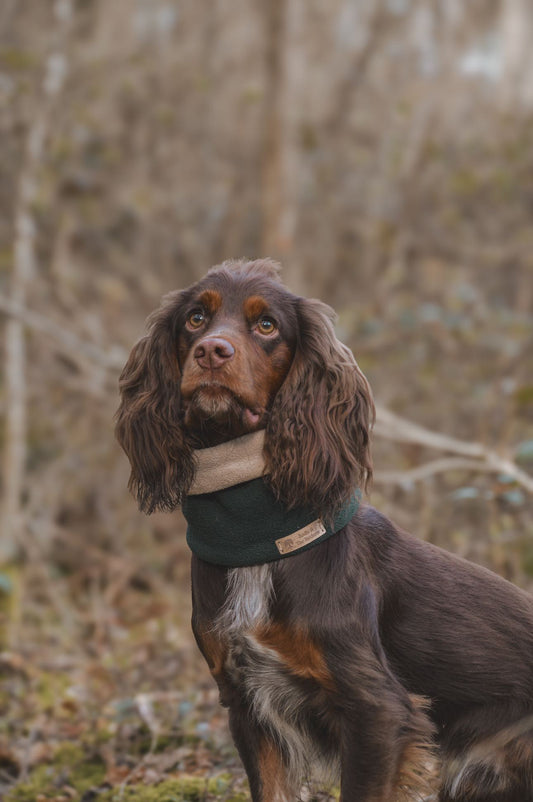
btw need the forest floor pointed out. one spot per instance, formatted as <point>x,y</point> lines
<point>108,704</point>
<point>104,695</point>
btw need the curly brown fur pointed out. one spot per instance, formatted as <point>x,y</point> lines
<point>317,444</point>
<point>149,419</point>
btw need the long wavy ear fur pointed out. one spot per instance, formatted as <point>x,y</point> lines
<point>317,438</point>
<point>149,416</point>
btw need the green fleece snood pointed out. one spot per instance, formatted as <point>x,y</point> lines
<point>245,525</point>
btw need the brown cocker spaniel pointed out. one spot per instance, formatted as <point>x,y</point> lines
<point>336,639</point>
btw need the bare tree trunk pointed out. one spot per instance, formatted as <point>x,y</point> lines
<point>517,30</point>
<point>15,453</point>
<point>23,270</point>
<point>275,13</point>
<point>280,148</point>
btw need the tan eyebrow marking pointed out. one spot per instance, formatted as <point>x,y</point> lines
<point>254,307</point>
<point>211,300</point>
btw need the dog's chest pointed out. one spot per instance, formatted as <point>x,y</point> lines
<point>254,666</point>
<point>276,668</point>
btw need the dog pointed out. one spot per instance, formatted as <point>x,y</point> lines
<point>335,638</point>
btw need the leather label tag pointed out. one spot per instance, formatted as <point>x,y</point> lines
<point>301,538</point>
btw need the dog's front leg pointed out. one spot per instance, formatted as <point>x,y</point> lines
<point>262,758</point>
<point>385,740</point>
<point>368,759</point>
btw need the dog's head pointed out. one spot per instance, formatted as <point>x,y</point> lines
<point>234,353</point>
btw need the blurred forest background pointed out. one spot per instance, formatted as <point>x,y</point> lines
<point>382,150</point>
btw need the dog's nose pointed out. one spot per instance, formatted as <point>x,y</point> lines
<point>213,352</point>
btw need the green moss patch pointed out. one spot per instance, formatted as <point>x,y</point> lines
<point>182,789</point>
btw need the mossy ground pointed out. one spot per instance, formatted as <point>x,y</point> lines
<point>84,782</point>
<point>114,727</point>
<point>78,773</point>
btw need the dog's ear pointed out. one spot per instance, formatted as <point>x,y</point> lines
<point>317,438</point>
<point>149,425</point>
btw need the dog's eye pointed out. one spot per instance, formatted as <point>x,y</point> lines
<point>266,326</point>
<point>196,319</point>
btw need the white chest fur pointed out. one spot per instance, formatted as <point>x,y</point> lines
<point>275,699</point>
<point>248,595</point>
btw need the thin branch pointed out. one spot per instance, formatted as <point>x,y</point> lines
<point>394,427</point>
<point>430,469</point>
<point>473,456</point>
<point>113,359</point>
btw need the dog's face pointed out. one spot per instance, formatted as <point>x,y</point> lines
<point>234,353</point>
<point>236,342</point>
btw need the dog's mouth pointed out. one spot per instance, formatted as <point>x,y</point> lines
<point>215,411</point>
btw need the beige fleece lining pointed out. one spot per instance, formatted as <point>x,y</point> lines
<point>229,464</point>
